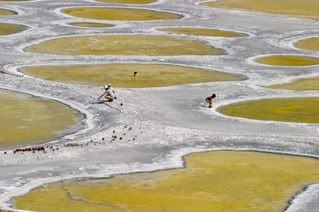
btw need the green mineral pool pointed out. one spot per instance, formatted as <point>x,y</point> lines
<point>4,12</point>
<point>120,14</point>
<point>310,84</point>
<point>128,1</point>
<point>203,32</point>
<point>304,8</point>
<point>302,110</point>
<point>90,24</point>
<point>311,44</point>
<point>14,0</point>
<point>31,120</point>
<point>288,60</point>
<point>9,29</point>
<point>122,75</point>
<point>149,45</point>
<point>213,181</point>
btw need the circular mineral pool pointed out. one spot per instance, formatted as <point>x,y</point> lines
<point>120,14</point>
<point>310,84</point>
<point>297,8</point>
<point>311,44</point>
<point>9,29</point>
<point>302,110</point>
<point>288,60</point>
<point>90,24</point>
<point>14,0</point>
<point>4,12</point>
<point>31,120</point>
<point>203,32</point>
<point>212,181</point>
<point>122,75</point>
<point>149,45</point>
<point>128,1</point>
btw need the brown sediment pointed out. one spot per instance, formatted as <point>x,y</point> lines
<point>30,149</point>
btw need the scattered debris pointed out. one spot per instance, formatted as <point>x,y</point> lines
<point>29,149</point>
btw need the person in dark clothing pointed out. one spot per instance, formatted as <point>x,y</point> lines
<point>209,100</point>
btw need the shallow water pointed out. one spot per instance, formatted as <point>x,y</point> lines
<point>311,44</point>
<point>90,24</point>
<point>128,1</point>
<point>32,120</point>
<point>300,85</point>
<point>288,60</point>
<point>303,110</point>
<point>121,14</point>
<point>214,181</point>
<point>150,45</point>
<point>306,8</point>
<point>8,29</point>
<point>122,75</point>
<point>203,32</point>
<point>4,12</point>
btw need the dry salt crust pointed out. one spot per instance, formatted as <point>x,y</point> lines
<point>167,123</point>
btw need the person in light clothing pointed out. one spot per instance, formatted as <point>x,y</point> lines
<point>108,94</point>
